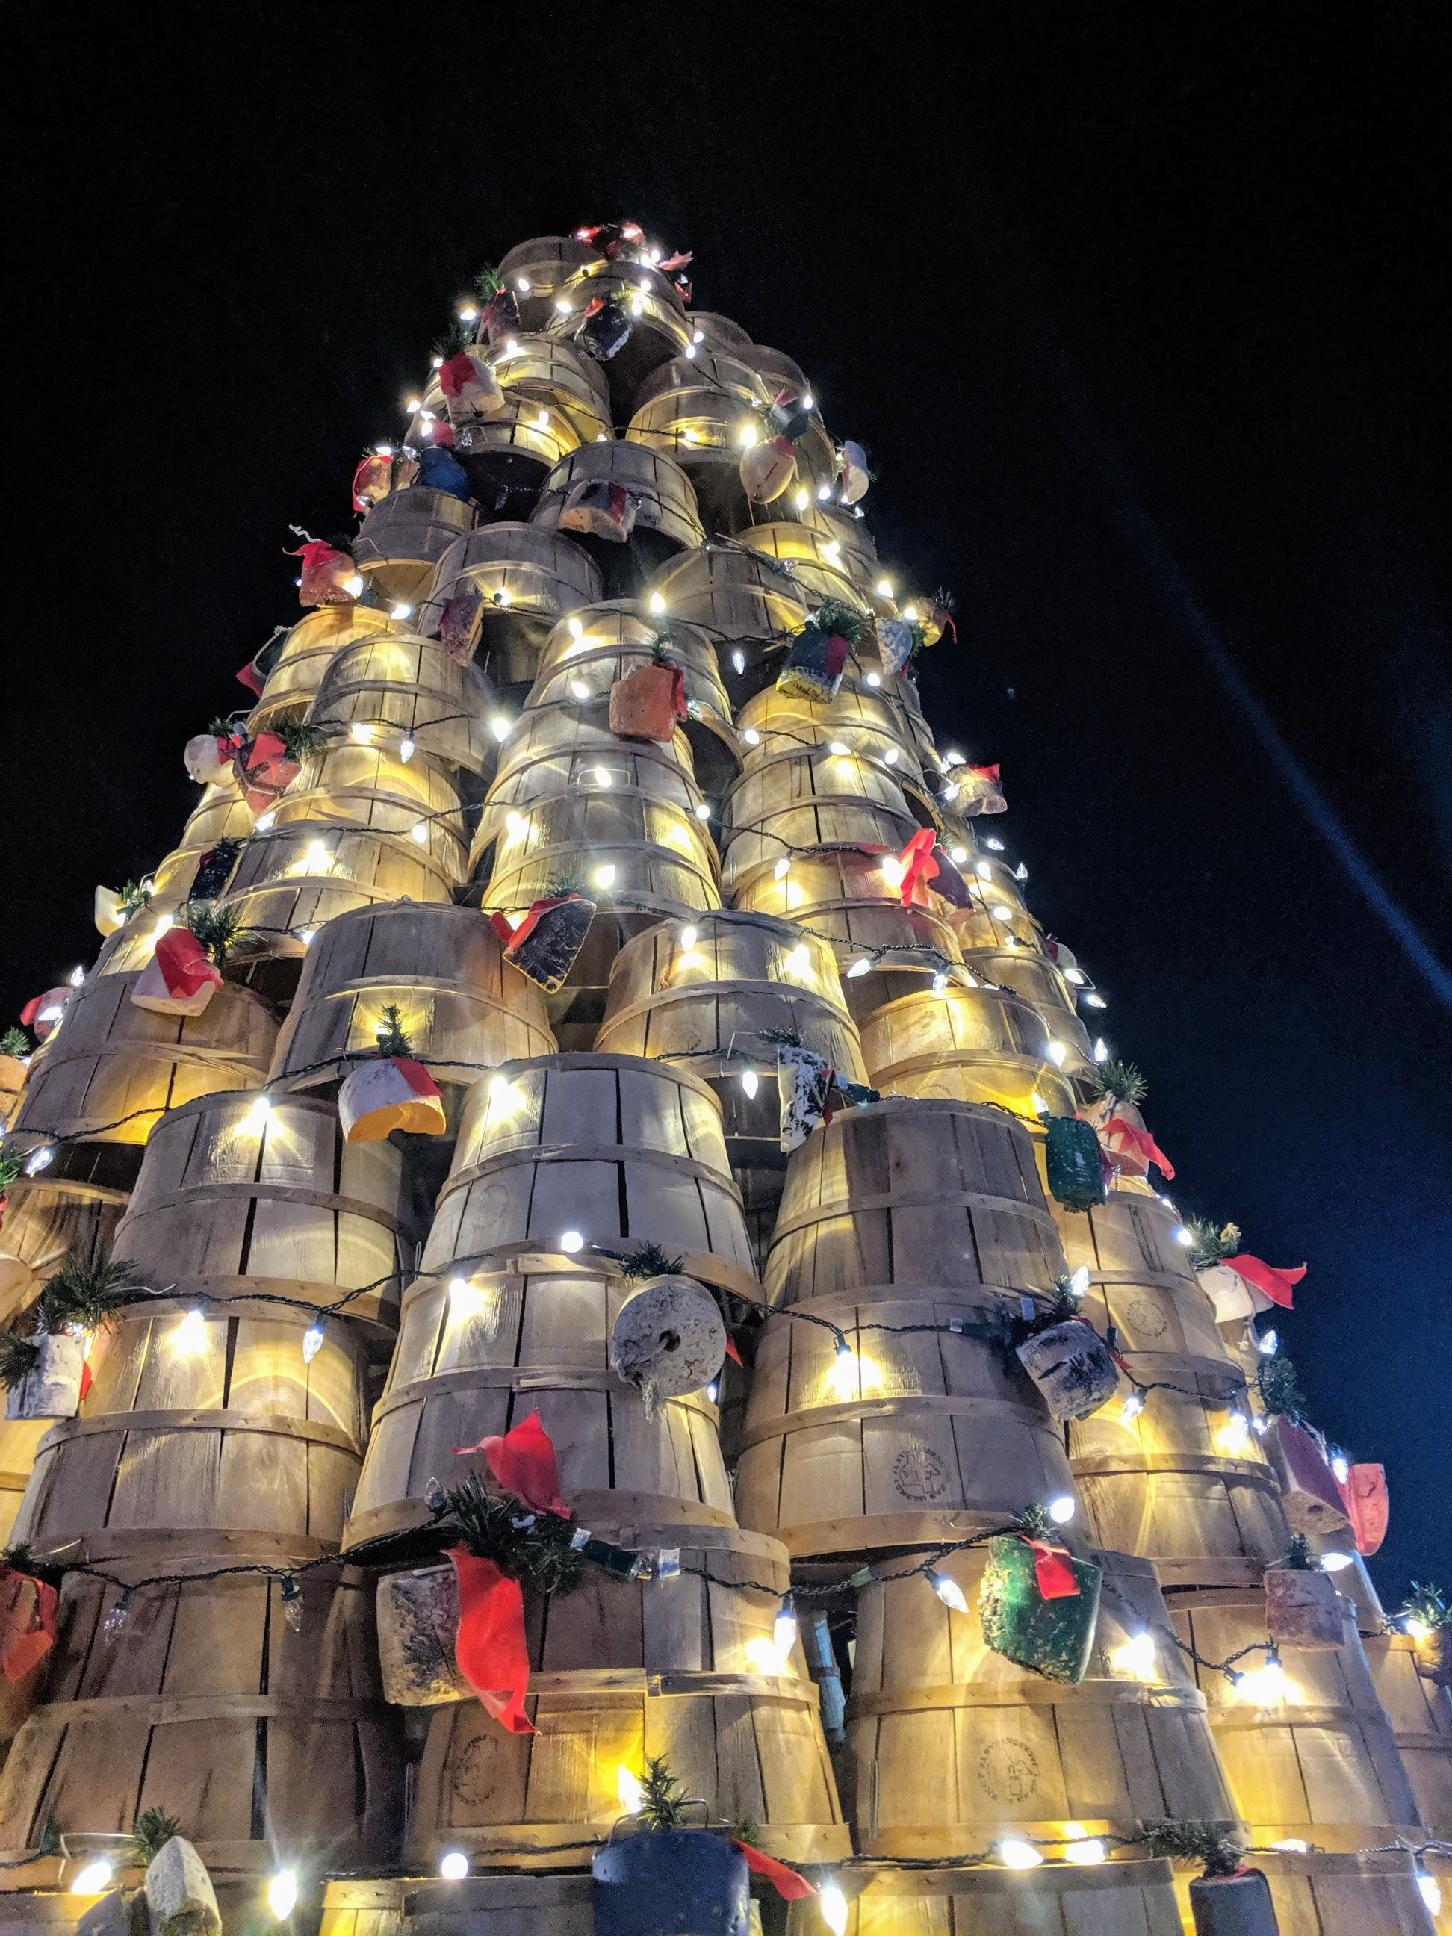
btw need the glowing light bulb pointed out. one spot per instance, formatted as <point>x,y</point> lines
<point>957,855</point>
<point>698,336</point>
<point>522,284</point>
<point>1234,1434</point>
<point>883,588</point>
<point>1130,1410</point>
<point>1292,1845</point>
<point>542,421</point>
<point>604,876</point>
<point>782,869</point>
<point>947,1590</point>
<point>824,492</point>
<point>1336,1562</point>
<point>983,869</point>
<point>630,1789</point>
<point>1020,873</point>
<point>702,811</point>
<point>798,962</point>
<point>571,1241</point>
<point>578,689</point>
<point>499,726</point>
<point>1036,1102</point>
<point>257,1117</point>
<point>307,936</point>
<point>1058,1054</point>
<point>688,937</point>
<point>893,871</point>
<point>1101,1049</point>
<point>468,314</point>
<point>164,925</point>
<point>751,736</point>
<point>839,747</point>
<point>1419,1631</point>
<point>747,435</point>
<point>1341,1467</point>
<point>40,1159</point>
<point>860,967</point>
<point>1015,1853</point>
<point>713,1391</point>
<point>354,586</point>
<point>1092,998</point>
<point>317,857</point>
<point>655,604</point>
<point>750,1082</point>
<point>1138,1654</point>
<point>802,499</point>
<point>282,1894</point>
<point>690,352</point>
<point>1430,1891</point>
<point>1182,1237</point>
<point>738,660</point>
<point>891,756</point>
<point>563,305</point>
<point>400,610</point>
<point>992,840</point>
<point>407,748</point>
<point>874,679</point>
<point>1086,1853</point>
<point>833,1905</point>
<point>191,1333</point>
<point>1061,1508</point>
<point>419,833</point>
<point>453,1865</point>
<point>602,776</point>
<point>809,402</point>
<point>92,1879</point>
<point>1267,1344</point>
<point>465,1299</point>
<point>312,1341</point>
<point>784,1632</point>
<point>413,403</point>
<point>691,436</point>
<point>504,596</point>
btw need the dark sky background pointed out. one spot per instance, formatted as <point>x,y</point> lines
<point>1140,316</point>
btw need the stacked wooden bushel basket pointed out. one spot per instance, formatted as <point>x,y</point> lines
<point>637,1105</point>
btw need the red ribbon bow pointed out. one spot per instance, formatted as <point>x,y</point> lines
<point>457,373</point>
<point>489,1647</point>
<point>317,551</point>
<point>1277,1285</point>
<point>788,1883</point>
<point>523,1461</point>
<point>1053,1572</point>
<point>514,937</point>
<point>918,862</point>
<point>1142,1143</point>
<point>986,772</point>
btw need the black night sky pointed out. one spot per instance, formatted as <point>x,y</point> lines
<point>1139,316</point>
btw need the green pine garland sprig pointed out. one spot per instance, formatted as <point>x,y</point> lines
<point>1207,1843</point>
<point>134,896</point>
<point>649,1260</point>
<point>18,1358</point>
<point>82,1295</point>
<point>1429,1604</point>
<point>300,738</point>
<point>1280,1389</point>
<point>560,887</point>
<point>533,1548</point>
<point>664,1802</point>
<point>1298,1557</point>
<point>150,1833</point>
<point>217,928</point>
<point>487,283</point>
<point>838,621</point>
<point>14,1042</point>
<point>781,1038</point>
<point>1210,1243</point>
<point>1034,1523</point>
<point>392,1036</point>
<point>1116,1081</point>
<point>10,1168</point>
<point>455,338</point>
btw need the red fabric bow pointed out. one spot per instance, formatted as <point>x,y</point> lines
<point>1142,1143</point>
<point>489,1647</point>
<point>515,937</point>
<point>316,552</point>
<point>987,772</point>
<point>248,677</point>
<point>679,260</point>
<point>31,1009</point>
<point>457,374</point>
<point>790,1884</point>
<point>523,1461</point>
<point>918,863</point>
<point>1053,1573</point>
<point>731,1350</point>
<point>1277,1285</point>
<point>945,622</point>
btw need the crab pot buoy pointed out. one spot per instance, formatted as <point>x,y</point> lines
<point>1312,1496</point>
<point>418,1623</point>
<point>669,1338</point>
<point>1233,1905</point>
<point>687,1881</point>
<point>1071,1365</point>
<point>471,390</point>
<point>595,507</point>
<point>1072,1163</point>
<point>1233,1296</point>
<point>853,476</point>
<point>605,330</point>
<point>767,469</point>
<point>1039,1606</point>
<point>388,1093</point>
<point>52,1386</point>
<point>208,757</point>
<point>544,944</point>
<point>180,978</point>
<point>180,1899</point>
<point>1302,1606</point>
<point>648,703</point>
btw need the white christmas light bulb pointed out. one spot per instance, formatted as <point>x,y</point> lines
<point>1079,1282</point>
<point>453,1865</point>
<point>603,777</point>
<point>264,824</point>
<point>1085,1853</point>
<point>1093,999</point>
<point>839,747</point>
<point>312,1341</point>
<point>604,876</point>
<point>833,1905</point>
<point>419,833</point>
<point>1130,1410</point>
<point>1341,1467</point>
<point>630,1790</point>
<point>784,1631</point>
<point>688,937</point>
<point>992,840</point>
<point>802,499</point>
<point>1101,1049</point>
<point>656,605</point>
<point>860,967</point>
<point>782,869</point>
<point>738,660</point>
<point>751,736</point>
<point>940,981</point>
<point>947,1590</point>
<point>874,679</point>
<point>1020,873</point>
<point>883,588</point>
<point>957,855</point>
<point>702,810</point>
<point>93,1878</point>
<point>282,1894</point>
<point>578,689</point>
<point>1430,1891</point>
<point>1336,1562</point>
<point>571,1241</point>
<point>400,610</point>
<point>499,726</point>
<point>750,1082</point>
<point>406,749</point>
<point>824,492</point>
<point>1058,1054</point>
<point>1061,1508</point>
<point>354,586</point>
<point>1182,1237</point>
<point>522,284</point>
<point>1267,1344</point>
<point>1014,1853</point>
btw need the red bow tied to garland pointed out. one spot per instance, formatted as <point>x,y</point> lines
<point>945,622</point>
<point>523,1461</point>
<point>317,551</point>
<point>918,863</point>
<point>458,372</point>
<point>489,1647</point>
<point>1277,1285</point>
<point>788,1883</point>
<point>1053,1571</point>
<point>986,772</point>
<point>1142,1143</point>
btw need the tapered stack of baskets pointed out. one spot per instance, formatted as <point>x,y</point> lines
<point>319,1339</point>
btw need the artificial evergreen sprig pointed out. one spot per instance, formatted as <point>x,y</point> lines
<point>300,738</point>
<point>134,896</point>
<point>1431,1606</point>
<point>18,1358</point>
<point>561,887</point>
<point>1034,1523</point>
<point>781,1038</point>
<point>150,1833</point>
<point>838,621</point>
<point>663,1801</point>
<point>83,1295</point>
<point>487,283</point>
<point>10,1168</point>
<point>392,1038</point>
<point>1280,1389</point>
<point>1298,1557</point>
<point>455,339</point>
<point>1116,1081</point>
<point>533,1548</point>
<point>217,928</point>
<point>1210,1244</point>
<point>14,1042</point>
<point>649,1260</point>
<point>1204,1842</point>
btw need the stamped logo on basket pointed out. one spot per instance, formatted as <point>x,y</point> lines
<point>1008,1770</point>
<point>918,1473</point>
<point>1147,1318</point>
<point>474,1771</point>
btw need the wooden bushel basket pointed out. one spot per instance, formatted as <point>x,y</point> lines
<point>481,1905</point>
<point>1118,1899</point>
<point>972,1044</point>
<point>1421,1716</point>
<point>797,800</point>
<point>529,579</point>
<point>402,539</point>
<point>739,600</point>
<point>231,1200</point>
<point>1322,1894</point>
<point>480,1357</point>
<point>1313,1757</point>
<point>666,518</point>
<point>1238,1905</point>
<point>404,685</point>
<point>209,1705</point>
<point>307,651</point>
<point>47,1220</point>
<point>953,1744</point>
